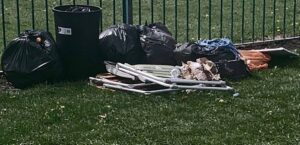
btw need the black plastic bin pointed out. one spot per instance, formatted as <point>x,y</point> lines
<point>77,35</point>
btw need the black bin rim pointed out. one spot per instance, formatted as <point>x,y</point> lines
<point>62,9</point>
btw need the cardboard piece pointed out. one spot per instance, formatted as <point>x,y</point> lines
<point>279,52</point>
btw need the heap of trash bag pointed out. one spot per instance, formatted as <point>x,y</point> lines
<point>154,44</point>
<point>33,57</point>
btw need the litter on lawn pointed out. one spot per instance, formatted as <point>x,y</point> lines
<point>139,58</point>
<point>140,79</point>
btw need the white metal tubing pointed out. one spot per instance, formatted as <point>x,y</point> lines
<point>175,86</point>
<point>170,80</point>
<point>139,91</point>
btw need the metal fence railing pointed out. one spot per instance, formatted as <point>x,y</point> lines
<point>188,20</point>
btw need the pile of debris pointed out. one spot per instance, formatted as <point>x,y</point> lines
<point>139,58</point>
<point>151,79</point>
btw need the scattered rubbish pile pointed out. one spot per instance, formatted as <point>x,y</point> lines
<point>220,51</point>
<point>138,58</point>
<point>139,79</point>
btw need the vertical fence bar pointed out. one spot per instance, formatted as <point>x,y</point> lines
<point>60,2</point>
<point>127,11</point>
<point>274,19</point>
<point>187,20</point>
<point>152,11</point>
<point>209,19</point>
<point>47,15</point>
<point>243,20</point>
<point>164,12</point>
<point>101,15</point>
<point>74,2</point>
<point>284,19</point>
<point>253,20</point>
<point>32,15</point>
<point>18,16</point>
<point>221,19</point>
<point>3,23</point>
<point>176,15</point>
<point>114,12</point>
<point>294,18</point>
<point>231,19</point>
<point>264,20</point>
<point>199,19</point>
<point>87,2</point>
<point>140,12</point>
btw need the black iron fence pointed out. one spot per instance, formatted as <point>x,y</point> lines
<point>189,20</point>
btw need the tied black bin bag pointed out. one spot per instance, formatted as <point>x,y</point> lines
<point>77,31</point>
<point>121,43</point>
<point>158,44</point>
<point>31,58</point>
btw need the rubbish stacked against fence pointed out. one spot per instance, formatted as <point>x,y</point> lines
<point>144,44</point>
<point>80,51</point>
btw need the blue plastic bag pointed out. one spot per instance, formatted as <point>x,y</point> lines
<point>219,49</point>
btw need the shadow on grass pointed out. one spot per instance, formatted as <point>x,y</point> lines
<point>285,62</point>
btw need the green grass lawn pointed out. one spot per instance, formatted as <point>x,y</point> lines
<point>266,112</point>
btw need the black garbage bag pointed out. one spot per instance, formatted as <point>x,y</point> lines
<point>233,69</point>
<point>186,52</point>
<point>158,44</point>
<point>220,51</point>
<point>160,26</point>
<point>121,43</point>
<point>31,58</point>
